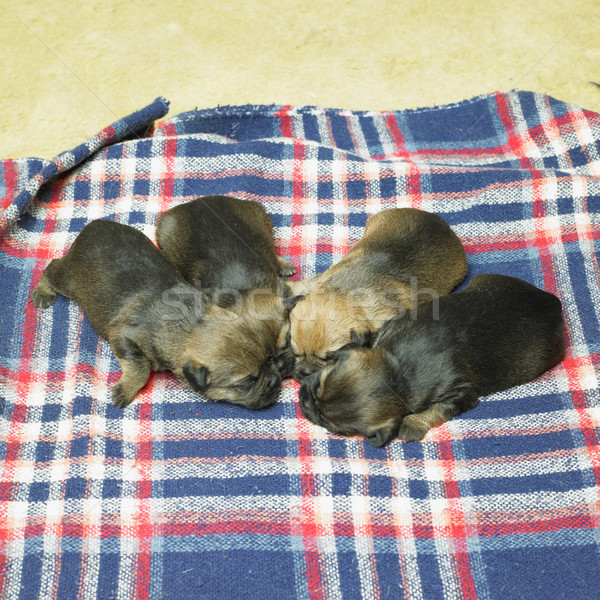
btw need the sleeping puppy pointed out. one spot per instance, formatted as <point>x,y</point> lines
<point>224,246</point>
<point>497,333</point>
<point>405,256</point>
<point>135,298</point>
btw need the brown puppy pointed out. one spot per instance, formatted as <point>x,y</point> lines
<point>497,333</point>
<point>224,246</point>
<point>136,299</point>
<point>406,256</point>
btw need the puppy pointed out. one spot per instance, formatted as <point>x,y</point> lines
<point>135,298</point>
<point>497,333</point>
<point>405,256</point>
<point>224,246</point>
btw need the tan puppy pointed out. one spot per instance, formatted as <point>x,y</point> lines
<point>224,246</point>
<point>406,256</point>
<point>135,298</point>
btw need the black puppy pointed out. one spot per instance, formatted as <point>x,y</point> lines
<point>135,298</point>
<point>224,246</point>
<point>497,333</point>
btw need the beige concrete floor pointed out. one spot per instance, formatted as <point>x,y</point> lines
<point>69,68</point>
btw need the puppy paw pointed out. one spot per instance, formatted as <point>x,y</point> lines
<point>41,298</point>
<point>120,398</point>
<point>286,268</point>
<point>412,429</point>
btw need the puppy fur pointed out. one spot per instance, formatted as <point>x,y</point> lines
<point>497,333</point>
<point>224,246</point>
<point>406,256</point>
<point>135,298</point>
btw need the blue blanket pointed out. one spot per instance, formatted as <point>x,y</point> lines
<point>179,497</point>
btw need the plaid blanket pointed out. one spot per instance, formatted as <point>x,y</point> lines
<point>178,497</point>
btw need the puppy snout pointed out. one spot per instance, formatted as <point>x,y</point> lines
<point>273,382</point>
<point>302,372</point>
<point>284,362</point>
<point>308,398</point>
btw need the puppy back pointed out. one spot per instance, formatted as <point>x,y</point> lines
<point>118,255</point>
<point>224,242</point>
<point>422,246</point>
<point>109,265</point>
<point>173,238</point>
<point>405,246</point>
<point>507,330</point>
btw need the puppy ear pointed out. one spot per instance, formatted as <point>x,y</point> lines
<point>341,354</point>
<point>291,301</point>
<point>382,436</point>
<point>196,375</point>
<point>364,338</point>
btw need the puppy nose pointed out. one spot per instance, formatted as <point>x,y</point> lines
<point>286,367</point>
<point>302,372</point>
<point>273,382</point>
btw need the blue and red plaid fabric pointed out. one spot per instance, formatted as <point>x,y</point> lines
<point>178,497</point>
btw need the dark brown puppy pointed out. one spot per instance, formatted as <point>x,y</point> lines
<point>497,333</point>
<point>135,298</point>
<point>406,256</point>
<point>224,246</point>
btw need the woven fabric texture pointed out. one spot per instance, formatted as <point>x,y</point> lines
<point>179,497</point>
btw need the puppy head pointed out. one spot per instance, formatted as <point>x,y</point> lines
<point>270,309</point>
<point>355,396</point>
<point>238,357</point>
<point>321,324</point>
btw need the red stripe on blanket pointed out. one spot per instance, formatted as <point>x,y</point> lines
<point>10,183</point>
<point>515,140</point>
<point>585,522</point>
<point>309,528</point>
<point>297,242</point>
<point>503,243</point>
<point>457,529</point>
<point>427,153</point>
<point>489,524</point>
<point>396,134</point>
<point>286,121</point>
<point>143,519</point>
<point>167,183</point>
<point>413,179</point>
